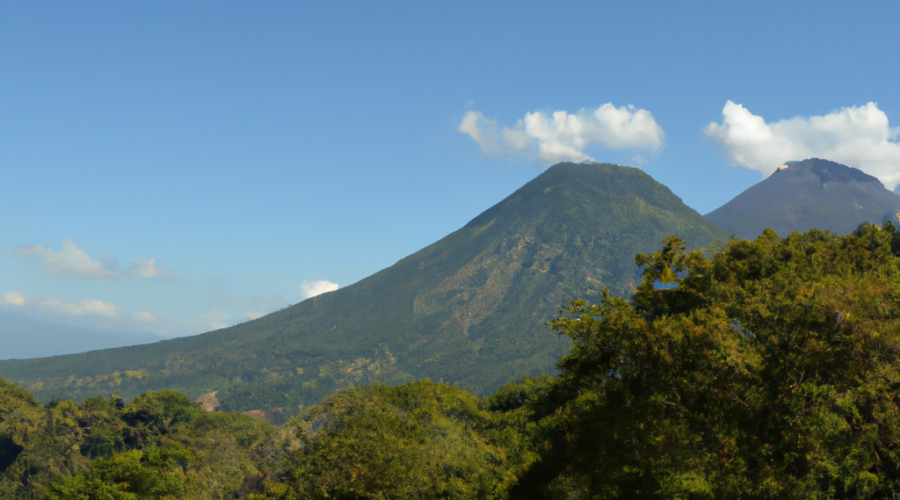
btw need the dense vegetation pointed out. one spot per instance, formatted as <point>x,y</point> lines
<point>156,446</point>
<point>771,371</point>
<point>470,309</point>
<point>768,369</point>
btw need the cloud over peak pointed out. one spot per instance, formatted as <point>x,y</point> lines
<point>310,289</point>
<point>563,136</point>
<point>73,262</point>
<point>857,136</point>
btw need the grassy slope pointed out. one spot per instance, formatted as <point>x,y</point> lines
<point>471,308</point>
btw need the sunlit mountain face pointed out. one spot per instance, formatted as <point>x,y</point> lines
<point>470,309</point>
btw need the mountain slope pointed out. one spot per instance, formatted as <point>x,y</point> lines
<point>471,308</point>
<point>809,194</point>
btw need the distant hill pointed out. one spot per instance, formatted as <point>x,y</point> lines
<point>808,194</point>
<point>24,337</point>
<point>470,309</point>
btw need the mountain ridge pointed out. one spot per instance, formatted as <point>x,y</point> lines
<point>813,193</point>
<point>469,309</point>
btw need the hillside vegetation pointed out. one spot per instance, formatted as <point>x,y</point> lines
<point>470,309</point>
<point>156,446</point>
<point>767,370</point>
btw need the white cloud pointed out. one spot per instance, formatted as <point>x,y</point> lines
<point>70,262</point>
<point>73,262</point>
<point>312,288</point>
<point>251,316</point>
<point>144,316</point>
<point>56,306</point>
<point>144,268</point>
<point>14,298</point>
<point>859,137</point>
<point>90,307</point>
<point>563,136</point>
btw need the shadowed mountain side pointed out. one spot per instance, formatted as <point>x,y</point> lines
<point>470,309</point>
<point>809,194</point>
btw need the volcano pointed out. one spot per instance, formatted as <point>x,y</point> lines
<point>470,309</point>
<point>808,194</point>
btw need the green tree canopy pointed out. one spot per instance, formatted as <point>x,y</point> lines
<point>771,370</point>
<point>418,440</point>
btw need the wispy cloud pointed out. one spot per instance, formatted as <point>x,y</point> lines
<point>73,262</point>
<point>318,287</point>
<point>563,136</point>
<point>144,316</point>
<point>70,262</point>
<point>91,306</point>
<point>82,308</point>
<point>857,136</point>
<point>144,268</point>
<point>14,298</point>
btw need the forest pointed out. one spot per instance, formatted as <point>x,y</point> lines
<point>763,369</point>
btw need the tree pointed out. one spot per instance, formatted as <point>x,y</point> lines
<point>154,473</point>
<point>770,370</point>
<point>418,440</point>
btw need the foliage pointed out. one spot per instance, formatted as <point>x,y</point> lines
<point>771,371</point>
<point>157,446</point>
<point>137,474</point>
<point>418,440</point>
<point>767,369</point>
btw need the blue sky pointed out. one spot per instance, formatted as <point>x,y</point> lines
<point>171,167</point>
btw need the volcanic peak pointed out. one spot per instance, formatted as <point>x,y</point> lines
<point>826,171</point>
<point>813,193</point>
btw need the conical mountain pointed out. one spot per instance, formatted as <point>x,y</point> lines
<point>808,194</point>
<point>470,309</point>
